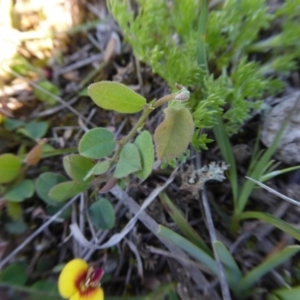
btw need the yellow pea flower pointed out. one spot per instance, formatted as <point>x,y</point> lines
<point>78,281</point>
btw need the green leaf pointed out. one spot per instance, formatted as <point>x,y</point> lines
<point>77,166</point>
<point>272,174</point>
<point>276,222</point>
<point>16,227</point>
<point>49,87</point>
<point>14,210</point>
<point>115,96</point>
<point>12,124</point>
<point>10,166</point>
<point>99,168</point>
<point>288,294</point>
<point>145,145</point>
<point>232,270</point>
<point>227,153</point>
<point>182,223</point>
<point>20,191</point>
<point>15,273</point>
<point>271,263</point>
<point>45,290</point>
<point>45,182</point>
<point>129,161</point>
<point>188,247</point>
<point>34,130</point>
<point>66,190</point>
<point>102,214</point>
<point>97,143</point>
<point>174,134</point>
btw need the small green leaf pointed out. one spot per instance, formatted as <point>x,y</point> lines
<point>97,143</point>
<point>99,168</point>
<point>145,145</point>
<point>66,190</point>
<point>20,191</point>
<point>116,96</point>
<point>45,182</point>
<point>10,166</point>
<point>102,214</point>
<point>12,124</point>
<point>77,166</point>
<point>49,87</point>
<point>34,130</point>
<point>14,210</point>
<point>15,273</point>
<point>16,227</point>
<point>129,162</point>
<point>174,134</point>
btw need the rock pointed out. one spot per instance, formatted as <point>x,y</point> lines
<point>288,150</point>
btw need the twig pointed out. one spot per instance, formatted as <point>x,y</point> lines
<point>213,238</point>
<point>288,199</point>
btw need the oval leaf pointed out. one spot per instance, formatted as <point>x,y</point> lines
<point>9,167</point>
<point>14,210</point>
<point>77,166</point>
<point>145,145</point>
<point>116,96</point>
<point>129,162</point>
<point>97,143</point>
<point>174,134</point>
<point>20,191</point>
<point>34,130</point>
<point>66,190</point>
<point>45,182</point>
<point>15,273</point>
<point>99,168</point>
<point>102,214</point>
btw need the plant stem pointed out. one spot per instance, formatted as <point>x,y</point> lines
<point>201,51</point>
<point>141,121</point>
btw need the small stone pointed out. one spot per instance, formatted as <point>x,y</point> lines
<point>288,150</point>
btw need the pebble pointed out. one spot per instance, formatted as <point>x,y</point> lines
<point>288,150</point>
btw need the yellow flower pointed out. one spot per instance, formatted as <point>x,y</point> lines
<point>78,281</point>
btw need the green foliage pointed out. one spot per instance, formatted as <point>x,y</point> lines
<point>10,166</point>
<point>129,162</point>
<point>116,96</point>
<point>174,134</point>
<point>45,97</point>
<point>165,36</point>
<point>77,166</point>
<point>287,294</point>
<point>34,130</point>
<point>99,168</point>
<point>15,273</point>
<point>20,191</point>
<point>145,146</point>
<point>97,143</point>
<point>66,190</point>
<point>45,182</point>
<point>102,214</point>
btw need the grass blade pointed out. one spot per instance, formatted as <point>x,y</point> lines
<point>276,222</point>
<point>226,150</point>
<point>188,247</point>
<point>274,261</point>
<point>183,225</point>
<point>234,274</point>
